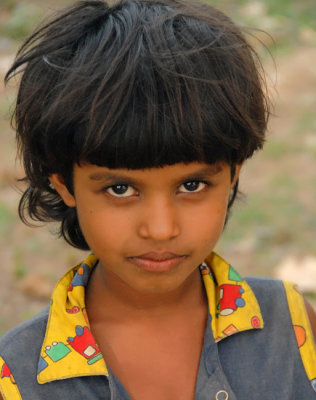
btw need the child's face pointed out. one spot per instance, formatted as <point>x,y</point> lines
<point>150,228</point>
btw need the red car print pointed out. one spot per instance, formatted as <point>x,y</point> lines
<point>230,298</point>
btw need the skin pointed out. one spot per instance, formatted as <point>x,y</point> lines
<point>125,215</point>
<point>312,317</point>
<point>157,213</point>
<point>178,210</point>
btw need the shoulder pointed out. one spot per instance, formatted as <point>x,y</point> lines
<point>24,334</point>
<point>285,309</point>
<point>20,347</point>
<point>276,296</point>
<point>271,296</point>
<point>24,341</point>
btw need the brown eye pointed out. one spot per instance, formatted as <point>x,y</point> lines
<point>121,190</point>
<point>192,187</point>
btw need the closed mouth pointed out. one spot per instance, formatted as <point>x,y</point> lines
<point>158,256</point>
<point>157,261</point>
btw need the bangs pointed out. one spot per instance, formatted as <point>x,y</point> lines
<point>172,128</point>
<point>145,91</point>
<point>133,84</point>
<point>156,149</point>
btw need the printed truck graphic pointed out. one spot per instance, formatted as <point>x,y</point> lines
<point>85,345</point>
<point>230,298</point>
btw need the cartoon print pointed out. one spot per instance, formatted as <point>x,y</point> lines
<point>73,310</point>
<point>81,277</point>
<point>300,334</point>
<point>57,351</point>
<point>204,269</point>
<point>230,298</point>
<point>255,322</point>
<point>6,373</point>
<point>42,364</point>
<point>230,330</point>
<point>233,275</point>
<point>85,345</point>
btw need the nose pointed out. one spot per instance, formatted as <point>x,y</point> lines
<point>159,220</point>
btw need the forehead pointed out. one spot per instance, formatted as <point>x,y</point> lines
<point>168,173</point>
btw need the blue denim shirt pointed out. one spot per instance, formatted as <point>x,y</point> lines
<point>256,364</point>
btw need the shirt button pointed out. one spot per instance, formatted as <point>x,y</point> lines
<point>221,395</point>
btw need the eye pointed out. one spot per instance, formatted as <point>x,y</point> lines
<point>193,187</point>
<point>121,190</point>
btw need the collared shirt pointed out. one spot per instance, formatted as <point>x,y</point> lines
<point>69,349</point>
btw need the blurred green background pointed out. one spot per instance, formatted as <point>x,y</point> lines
<point>272,228</point>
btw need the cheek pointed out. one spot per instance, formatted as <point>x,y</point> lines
<point>212,221</point>
<point>206,224</point>
<point>102,228</point>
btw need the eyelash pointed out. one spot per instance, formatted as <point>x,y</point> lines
<point>106,190</point>
<point>198,181</point>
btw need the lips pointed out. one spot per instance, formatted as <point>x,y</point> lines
<point>157,261</point>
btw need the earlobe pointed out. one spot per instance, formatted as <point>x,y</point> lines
<point>58,183</point>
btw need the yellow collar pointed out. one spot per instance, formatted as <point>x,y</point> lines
<point>69,349</point>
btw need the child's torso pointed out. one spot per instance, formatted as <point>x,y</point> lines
<point>262,364</point>
<point>152,363</point>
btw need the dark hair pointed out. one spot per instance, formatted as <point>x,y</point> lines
<point>137,84</point>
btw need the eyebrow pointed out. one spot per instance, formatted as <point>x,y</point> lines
<point>109,176</point>
<point>204,172</point>
<point>211,170</point>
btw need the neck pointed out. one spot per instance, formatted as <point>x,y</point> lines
<point>108,298</point>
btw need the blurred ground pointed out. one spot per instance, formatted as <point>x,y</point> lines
<point>272,229</point>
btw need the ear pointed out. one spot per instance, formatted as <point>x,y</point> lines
<point>237,172</point>
<point>57,181</point>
